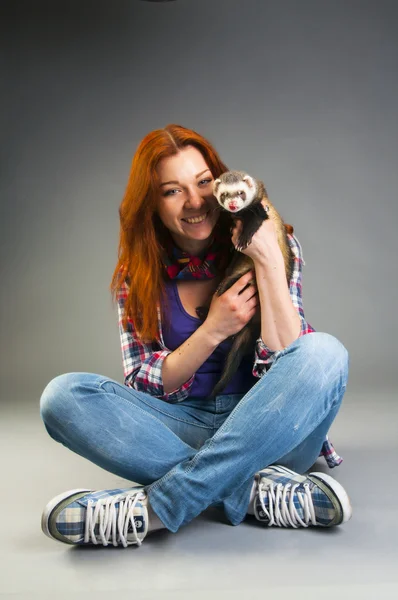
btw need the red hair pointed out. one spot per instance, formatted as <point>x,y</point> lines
<point>142,234</point>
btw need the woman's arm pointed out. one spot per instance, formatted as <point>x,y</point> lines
<point>280,322</point>
<point>185,360</point>
<point>264,355</point>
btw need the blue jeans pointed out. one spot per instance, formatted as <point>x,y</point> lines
<point>203,452</point>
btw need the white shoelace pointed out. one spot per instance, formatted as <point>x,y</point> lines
<point>105,508</point>
<point>287,514</point>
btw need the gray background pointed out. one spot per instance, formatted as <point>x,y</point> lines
<point>301,94</point>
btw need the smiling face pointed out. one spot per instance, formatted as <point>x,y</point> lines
<point>186,190</point>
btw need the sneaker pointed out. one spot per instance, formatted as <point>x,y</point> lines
<point>286,499</point>
<point>88,517</point>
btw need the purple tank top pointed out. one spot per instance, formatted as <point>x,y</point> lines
<point>182,326</point>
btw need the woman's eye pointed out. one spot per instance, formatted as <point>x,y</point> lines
<point>174,189</point>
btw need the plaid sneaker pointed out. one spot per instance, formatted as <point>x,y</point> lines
<point>287,499</point>
<point>92,517</point>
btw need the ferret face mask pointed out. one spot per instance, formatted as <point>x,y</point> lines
<point>234,190</point>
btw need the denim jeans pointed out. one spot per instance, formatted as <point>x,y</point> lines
<point>203,452</point>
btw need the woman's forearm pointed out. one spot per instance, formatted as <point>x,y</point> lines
<point>280,321</point>
<point>185,360</point>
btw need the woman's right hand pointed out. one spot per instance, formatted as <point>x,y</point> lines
<point>230,312</point>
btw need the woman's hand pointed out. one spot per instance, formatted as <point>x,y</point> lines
<point>230,312</point>
<point>264,246</point>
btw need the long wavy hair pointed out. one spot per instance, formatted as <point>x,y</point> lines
<point>143,235</point>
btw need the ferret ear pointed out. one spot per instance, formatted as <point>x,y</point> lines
<point>216,183</point>
<point>249,180</point>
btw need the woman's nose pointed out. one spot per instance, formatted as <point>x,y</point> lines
<point>195,199</point>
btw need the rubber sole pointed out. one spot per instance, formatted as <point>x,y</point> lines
<point>339,493</point>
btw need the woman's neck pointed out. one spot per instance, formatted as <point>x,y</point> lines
<point>194,247</point>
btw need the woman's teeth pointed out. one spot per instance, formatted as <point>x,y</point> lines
<point>196,219</point>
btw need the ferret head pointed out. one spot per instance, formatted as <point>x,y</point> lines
<point>235,190</point>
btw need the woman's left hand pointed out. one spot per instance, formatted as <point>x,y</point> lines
<point>264,245</point>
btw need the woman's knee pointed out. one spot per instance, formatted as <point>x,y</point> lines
<point>326,355</point>
<point>58,398</point>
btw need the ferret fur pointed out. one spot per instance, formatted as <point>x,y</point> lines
<point>241,195</point>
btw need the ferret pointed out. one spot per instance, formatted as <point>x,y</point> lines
<point>240,194</point>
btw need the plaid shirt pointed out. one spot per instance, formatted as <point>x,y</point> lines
<point>142,363</point>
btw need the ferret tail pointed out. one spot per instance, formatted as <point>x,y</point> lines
<point>241,345</point>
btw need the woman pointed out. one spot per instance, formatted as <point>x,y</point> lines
<point>245,451</point>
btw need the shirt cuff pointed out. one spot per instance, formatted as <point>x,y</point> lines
<point>149,379</point>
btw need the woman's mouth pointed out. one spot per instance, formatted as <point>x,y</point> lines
<point>197,220</point>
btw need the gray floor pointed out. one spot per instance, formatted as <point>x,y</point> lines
<point>207,558</point>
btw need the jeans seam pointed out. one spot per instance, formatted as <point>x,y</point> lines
<point>159,482</point>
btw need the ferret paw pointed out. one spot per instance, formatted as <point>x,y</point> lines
<point>243,243</point>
